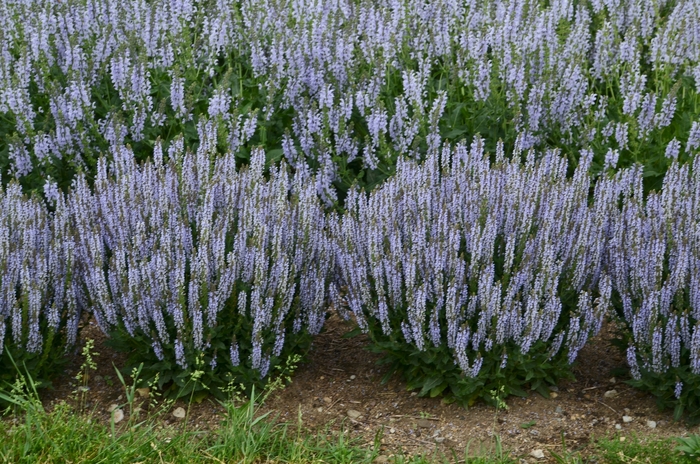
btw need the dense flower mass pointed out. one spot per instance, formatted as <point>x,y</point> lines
<point>478,183</point>
<point>39,310</point>
<point>484,260</point>
<point>346,86</point>
<point>200,265</point>
<point>653,253</point>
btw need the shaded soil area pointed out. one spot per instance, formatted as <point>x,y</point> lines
<point>339,388</point>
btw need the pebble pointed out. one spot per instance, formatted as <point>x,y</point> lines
<point>117,415</point>
<point>553,395</point>
<point>610,394</point>
<point>627,419</point>
<point>319,409</point>
<point>143,392</point>
<point>559,410</point>
<point>353,377</point>
<point>392,430</point>
<point>651,424</point>
<point>612,380</point>
<point>537,454</point>
<point>618,426</point>
<point>112,407</point>
<point>179,412</point>
<point>327,400</point>
<point>354,414</point>
<point>423,423</point>
<point>381,459</point>
<point>553,388</point>
<point>439,439</point>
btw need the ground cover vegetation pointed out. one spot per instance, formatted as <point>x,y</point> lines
<point>478,184</point>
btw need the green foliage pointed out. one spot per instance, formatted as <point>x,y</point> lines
<point>434,372</point>
<point>639,450</point>
<point>246,435</point>
<point>689,446</point>
<point>16,362</point>
<point>663,384</point>
<point>209,371</point>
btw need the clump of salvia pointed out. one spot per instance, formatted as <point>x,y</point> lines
<point>475,278</point>
<point>39,311</point>
<point>207,274</point>
<point>653,253</point>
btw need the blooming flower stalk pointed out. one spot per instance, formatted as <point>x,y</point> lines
<point>194,262</point>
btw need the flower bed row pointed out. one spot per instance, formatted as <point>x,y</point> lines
<point>472,276</point>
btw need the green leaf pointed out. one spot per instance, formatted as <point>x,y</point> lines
<point>273,156</point>
<point>436,391</point>
<point>678,411</point>
<point>353,333</point>
<point>455,133</point>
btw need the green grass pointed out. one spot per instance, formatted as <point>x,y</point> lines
<point>32,434</point>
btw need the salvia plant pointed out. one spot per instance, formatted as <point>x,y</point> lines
<point>472,277</point>
<point>207,275</point>
<point>653,254</point>
<point>348,86</point>
<point>39,307</point>
<point>135,120</point>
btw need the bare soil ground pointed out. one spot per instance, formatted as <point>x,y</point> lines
<point>340,387</point>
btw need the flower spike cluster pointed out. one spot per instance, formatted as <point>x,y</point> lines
<point>39,294</point>
<point>202,259</point>
<point>479,258</point>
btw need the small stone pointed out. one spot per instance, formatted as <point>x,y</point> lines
<point>623,438</point>
<point>612,380</point>
<point>618,426</point>
<point>117,415</point>
<point>537,454</point>
<point>559,410</point>
<point>353,377</point>
<point>112,407</point>
<point>423,423</point>
<point>439,439</point>
<point>610,394</point>
<point>319,409</point>
<point>627,419</point>
<point>534,433</point>
<point>392,430</point>
<point>553,388</point>
<point>327,400</point>
<point>651,424</point>
<point>143,392</point>
<point>553,395</point>
<point>381,459</point>
<point>354,414</point>
<point>179,412</point>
